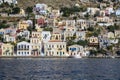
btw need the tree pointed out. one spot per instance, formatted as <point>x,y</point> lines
<point>48,29</point>
<point>82,42</point>
<point>93,52</point>
<point>90,29</point>
<point>29,10</point>
<point>111,28</point>
<point>16,10</point>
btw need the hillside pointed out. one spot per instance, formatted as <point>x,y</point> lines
<point>53,3</point>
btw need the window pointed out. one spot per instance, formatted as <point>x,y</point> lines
<point>63,46</point>
<point>52,46</point>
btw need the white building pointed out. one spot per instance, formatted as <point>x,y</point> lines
<point>41,8</point>
<point>76,50</point>
<point>46,35</point>
<point>23,49</point>
<point>25,34</point>
<point>9,1</point>
<point>80,35</point>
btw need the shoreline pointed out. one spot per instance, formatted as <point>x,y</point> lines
<point>55,57</point>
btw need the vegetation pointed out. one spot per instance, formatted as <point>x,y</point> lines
<point>82,43</point>
<point>72,10</point>
<point>48,29</point>
<point>3,24</point>
<point>93,52</point>
<point>29,10</point>
<point>15,10</point>
<point>113,28</point>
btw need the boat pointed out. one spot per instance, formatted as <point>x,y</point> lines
<point>113,57</point>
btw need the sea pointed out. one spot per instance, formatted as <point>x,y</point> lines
<point>59,69</point>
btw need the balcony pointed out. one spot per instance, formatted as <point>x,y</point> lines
<point>59,48</point>
<point>49,48</point>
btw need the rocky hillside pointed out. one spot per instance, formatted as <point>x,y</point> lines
<point>53,3</point>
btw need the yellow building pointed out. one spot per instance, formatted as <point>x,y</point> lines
<point>23,25</point>
<point>93,41</point>
<point>55,48</point>
<point>56,36</point>
<point>7,49</point>
<point>111,35</point>
<point>35,42</point>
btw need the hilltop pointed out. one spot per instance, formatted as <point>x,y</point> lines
<point>52,3</point>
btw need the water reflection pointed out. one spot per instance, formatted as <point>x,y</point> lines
<point>59,69</point>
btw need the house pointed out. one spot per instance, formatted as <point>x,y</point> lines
<point>41,21</point>
<point>23,25</point>
<point>70,23</point>
<point>2,31</point>
<point>68,35</point>
<point>93,41</point>
<point>7,49</point>
<point>109,10</point>
<point>30,22</point>
<point>81,24</point>
<point>104,21</point>
<point>10,30</point>
<point>76,50</point>
<point>9,38</point>
<point>35,42</point>
<point>9,1</point>
<point>24,34</point>
<point>40,9</point>
<point>80,35</point>
<point>84,24</point>
<point>117,12</point>
<point>55,48</point>
<point>23,49</point>
<point>45,36</point>
<point>56,34</point>
<point>111,35</point>
<point>55,13</point>
<point>104,42</point>
<point>92,10</point>
<point>117,33</point>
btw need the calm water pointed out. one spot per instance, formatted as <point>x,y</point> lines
<point>59,69</point>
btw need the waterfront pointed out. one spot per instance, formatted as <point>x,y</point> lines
<point>59,69</point>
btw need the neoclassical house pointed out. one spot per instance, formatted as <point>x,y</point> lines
<point>35,42</point>
<point>23,49</point>
<point>80,35</point>
<point>7,49</point>
<point>23,25</point>
<point>76,50</point>
<point>55,48</point>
